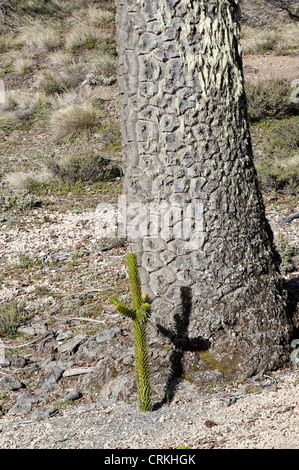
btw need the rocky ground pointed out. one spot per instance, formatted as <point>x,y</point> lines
<point>61,383</point>
<point>232,418</point>
<point>49,382</point>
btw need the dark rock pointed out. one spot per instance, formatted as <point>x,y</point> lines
<point>9,383</point>
<point>43,412</point>
<point>49,383</point>
<point>71,396</point>
<point>4,362</point>
<point>88,350</point>
<point>72,345</point>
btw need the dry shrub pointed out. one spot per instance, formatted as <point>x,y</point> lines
<point>23,65</point>
<point>67,122</point>
<point>289,254</point>
<point>25,181</point>
<point>39,38</point>
<point>278,38</point>
<point>22,110</point>
<point>11,313</point>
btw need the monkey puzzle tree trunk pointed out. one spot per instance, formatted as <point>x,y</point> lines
<point>193,209</point>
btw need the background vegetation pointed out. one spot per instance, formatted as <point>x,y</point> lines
<point>59,132</point>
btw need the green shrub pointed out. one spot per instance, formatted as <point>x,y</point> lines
<point>279,176</point>
<point>11,313</point>
<point>269,99</point>
<point>89,167</point>
<point>276,151</point>
<point>289,254</point>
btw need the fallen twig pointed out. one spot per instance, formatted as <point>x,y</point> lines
<point>291,217</point>
<point>85,319</point>
<point>26,344</point>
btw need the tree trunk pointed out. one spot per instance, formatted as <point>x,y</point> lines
<point>193,210</point>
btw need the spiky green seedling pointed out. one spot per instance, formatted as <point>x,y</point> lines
<point>139,312</point>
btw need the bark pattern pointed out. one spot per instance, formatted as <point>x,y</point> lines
<point>186,144</point>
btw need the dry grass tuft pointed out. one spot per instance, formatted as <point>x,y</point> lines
<point>83,35</point>
<point>23,65</point>
<point>61,80</point>
<point>22,110</point>
<point>24,181</point>
<point>106,64</point>
<point>280,37</point>
<point>38,37</point>
<point>60,59</point>
<point>75,118</point>
<point>99,16</point>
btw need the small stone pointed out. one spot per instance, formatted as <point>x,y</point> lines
<point>77,371</point>
<point>64,333</point>
<point>38,328</point>
<point>27,398</point>
<point>209,423</point>
<point>4,362</point>
<point>20,409</point>
<point>18,362</point>
<point>229,401</point>
<point>107,334</point>
<point>117,389</point>
<point>295,357</point>
<point>88,350</point>
<point>71,396</point>
<point>43,412</point>
<point>72,345</point>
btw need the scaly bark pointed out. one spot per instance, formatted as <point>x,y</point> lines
<point>187,144</point>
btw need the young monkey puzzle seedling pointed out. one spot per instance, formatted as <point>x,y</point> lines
<point>139,312</point>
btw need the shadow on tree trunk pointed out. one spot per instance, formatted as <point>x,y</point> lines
<point>179,338</point>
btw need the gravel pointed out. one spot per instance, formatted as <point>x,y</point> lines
<point>268,419</point>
